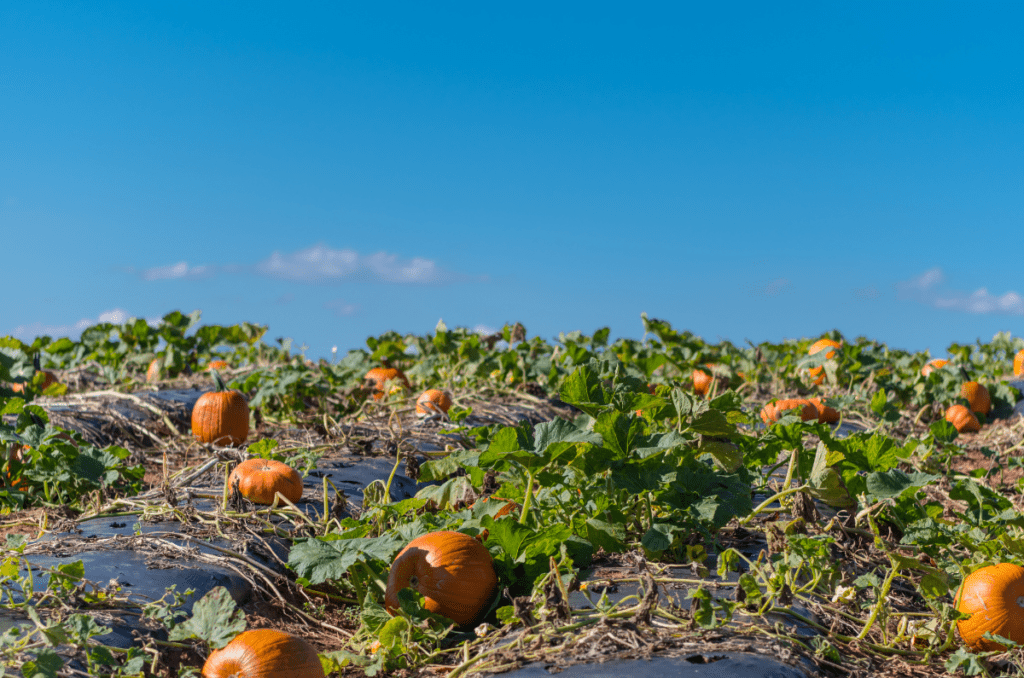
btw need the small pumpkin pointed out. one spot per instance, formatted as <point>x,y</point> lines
<point>221,417</point>
<point>49,379</point>
<point>264,653</point>
<point>154,372</point>
<point>380,376</point>
<point>451,570</point>
<point>977,397</point>
<point>259,480</point>
<point>994,597</point>
<point>816,347</point>
<point>962,418</point>
<point>772,411</point>
<point>217,365</point>
<point>702,381</point>
<point>1018,363</point>
<point>932,365</point>
<point>433,402</point>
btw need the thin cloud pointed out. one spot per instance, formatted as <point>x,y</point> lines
<point>180,270</point>
<point>772,288</point>
<point>341,307</point>
<point>322,264</point>
<point>117,316</point>
<point>922,289</point>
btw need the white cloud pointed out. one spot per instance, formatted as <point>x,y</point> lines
<point>321,264</point>
<point>772,288</point>
<point>341,308</point>
<point>117,316</point>
<point>922,290</point>
<point>177,271</point>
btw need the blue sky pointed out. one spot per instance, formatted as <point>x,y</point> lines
<point>742,170</point>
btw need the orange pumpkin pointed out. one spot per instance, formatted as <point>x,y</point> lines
<point>962,418</point>
<point>380,376</point>
<point>49,379</point>
<point>259,480</point>
<point>217,365</point>
<point>221,417</point>
<point>1018,363</point>
<point>264,653</point>
<point>826,414</point>
<point>816,347</point>
<point>433,401</point>
<point>772,411</point>
<point>994,597</point>
<point>977,397</point>
<point>154,372</point>
<point>932,365</point>
<point>702,381</point>
<point>451,570</point>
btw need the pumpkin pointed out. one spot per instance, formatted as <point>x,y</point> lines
<point>702,381</point>
<point>259,480</point>
<point>816,347</point>
<point>217,365</point>
<point>153,372</point>
<point>221,417</point>
<point>826,414</point>
<point>264,653</point>
<point>932,365</point>
<point>962,418</point>
<point>380,376</point>
<point>451,570</point>
<point>433,401</point>
<point>49,379</point>
<point>994,597</point>
<point>1018,363</point>
<point>977,397</point>
<point>772,411</point>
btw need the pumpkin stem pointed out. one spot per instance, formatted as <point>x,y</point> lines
<point>218,381</point>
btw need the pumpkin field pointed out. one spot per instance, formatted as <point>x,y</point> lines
<point>181,499</point>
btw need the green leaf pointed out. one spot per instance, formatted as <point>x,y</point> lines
<point>727,456</point>
<point>319,561</point>
<point>712,423</point>
<point>583,390</point>
<point>46,665</point>
<point>826,483</point>
<point>608,536</point>
<point>894,482</point>
<point>215,619</point>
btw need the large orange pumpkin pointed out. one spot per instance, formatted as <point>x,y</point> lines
<point>932,365</point>
<point>451,570</point>
<point>217,365</point>
<point>977,397</point>
<point>962,418</point>
<point>1018,363</point>
<point>264,653</point>
<point>433,401</point>
<point>380,376</point>
<point>994,597</point>
<point>820,345</point>
<point>221,417</point>
<point>772,411</point>
<point>826,414</point>
<point>259,480</point>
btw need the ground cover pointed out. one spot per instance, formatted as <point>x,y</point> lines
<point>632,497</point>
